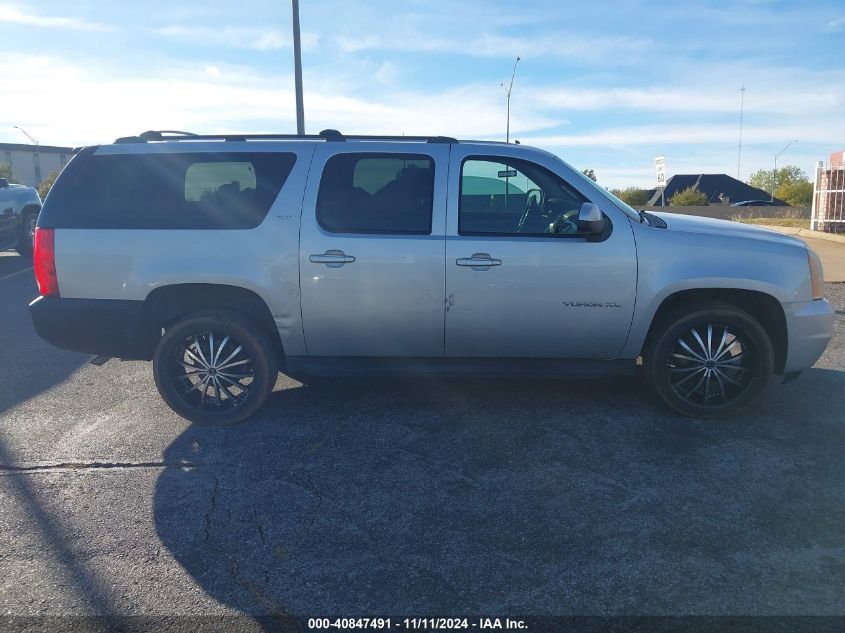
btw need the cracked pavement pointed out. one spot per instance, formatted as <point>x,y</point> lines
<point>426,496</point>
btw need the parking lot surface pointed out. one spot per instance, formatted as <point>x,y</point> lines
<point>424,496</point>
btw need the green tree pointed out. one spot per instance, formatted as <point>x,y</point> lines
<point>763,178</point>
<point>47,184</point>
<point>589,173</point>
<point>689,197</point>
<point>633,196</point>
<point>6,172</point>
<point>796,194</point>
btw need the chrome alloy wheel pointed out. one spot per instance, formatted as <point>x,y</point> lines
<point>710,365</point>
<point>31,221</point>
<point>212,371</point>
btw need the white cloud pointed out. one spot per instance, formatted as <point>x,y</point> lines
<point>621,51</point>
<point>12,15</point>
<point>836,25</point>
<point>109,102</point>
<point>689,99</point>
<point>259,39</point>
<point>387,73</point>
<point>701,133</point>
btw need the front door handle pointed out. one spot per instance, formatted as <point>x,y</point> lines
<point>479,261</point>
<point>332,258</point>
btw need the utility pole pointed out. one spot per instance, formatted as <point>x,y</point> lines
<point>775,172</point>
<point>508,93</point>
<point>37,155</point>
<point>297,70</point>
<point>741,109</point>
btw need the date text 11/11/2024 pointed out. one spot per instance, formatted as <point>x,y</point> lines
<point>430,624</point>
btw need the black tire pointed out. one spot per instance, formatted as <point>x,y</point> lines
<point>28,220</point>
<point>708,384</point>
<point>180,367</point>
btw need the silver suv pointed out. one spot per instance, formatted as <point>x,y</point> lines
<point>224,259</point>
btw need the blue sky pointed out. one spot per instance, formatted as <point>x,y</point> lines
<point>606,85</point>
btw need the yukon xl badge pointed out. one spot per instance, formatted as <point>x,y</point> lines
<point>590,304</point>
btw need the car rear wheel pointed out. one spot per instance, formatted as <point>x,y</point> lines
<point>27,237</point>
<point>214,368</point>
<point>710,362</point>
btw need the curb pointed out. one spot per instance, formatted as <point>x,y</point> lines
<point>816,235</point>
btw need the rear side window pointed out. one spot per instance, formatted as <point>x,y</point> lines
<point>377,193</point>
<point>191,190</point>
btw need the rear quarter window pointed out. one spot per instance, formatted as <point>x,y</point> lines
<point>188,190</point>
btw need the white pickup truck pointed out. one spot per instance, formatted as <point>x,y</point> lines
<point>19,207</point>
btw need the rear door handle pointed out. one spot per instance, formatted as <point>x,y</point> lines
<point>332,258</point>
<point>479,261</point>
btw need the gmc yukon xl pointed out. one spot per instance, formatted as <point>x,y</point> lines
<point>224,259</point>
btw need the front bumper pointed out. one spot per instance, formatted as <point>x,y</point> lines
<point>809,327</point>
<point>106,327</point>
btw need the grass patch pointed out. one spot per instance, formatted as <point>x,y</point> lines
<point>798,223</point>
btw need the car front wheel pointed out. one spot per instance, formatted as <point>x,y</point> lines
<point>27,237</point>
<point>214,368</point>
<point>709,362</point>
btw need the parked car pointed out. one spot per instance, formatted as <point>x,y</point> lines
<point>756,203</point>
<point>226,258</point>
<point>19,207</point>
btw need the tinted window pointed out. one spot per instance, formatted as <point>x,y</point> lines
<point>197,190</point>
<point>377,193</point>
<point>515,197</point>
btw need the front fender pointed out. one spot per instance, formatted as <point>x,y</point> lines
<point>669,262</point>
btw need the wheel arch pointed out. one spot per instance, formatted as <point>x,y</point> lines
<point>167,304</point>
<point>762,306</point>
<point>30,208</point>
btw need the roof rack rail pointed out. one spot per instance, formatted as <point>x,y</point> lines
<point>325,135</point>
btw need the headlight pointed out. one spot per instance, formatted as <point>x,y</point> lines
<point>816,274</point>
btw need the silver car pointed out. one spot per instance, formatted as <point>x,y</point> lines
<point>224,259</point>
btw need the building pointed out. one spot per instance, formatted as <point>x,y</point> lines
<point>829,195</point>
<point>30,163</point>
<point>720,189</point>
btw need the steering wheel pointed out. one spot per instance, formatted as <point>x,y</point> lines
<point>564,223</point>
<point>535,200</point>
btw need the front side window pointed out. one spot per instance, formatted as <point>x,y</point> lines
<point>377,193</point>
<point>515,197</point>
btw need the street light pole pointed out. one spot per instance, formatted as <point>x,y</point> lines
<point>297,70</point>
<point>37,155</point>
<point>508,93</point>
<point>775,172</point>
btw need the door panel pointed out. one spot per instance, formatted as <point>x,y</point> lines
<point>531,295</point>
<point>373,293</point>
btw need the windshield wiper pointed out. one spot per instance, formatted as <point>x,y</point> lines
<point>643,217</point>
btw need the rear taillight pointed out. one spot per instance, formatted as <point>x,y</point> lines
<point>44,262</point>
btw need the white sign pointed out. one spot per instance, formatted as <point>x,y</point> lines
<point>660,170</point>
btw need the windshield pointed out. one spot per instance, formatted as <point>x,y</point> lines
<point>633,213</point>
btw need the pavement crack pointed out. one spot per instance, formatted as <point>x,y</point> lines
<point>92,465</point>
<point>215,494</point>
<point>258,525</point>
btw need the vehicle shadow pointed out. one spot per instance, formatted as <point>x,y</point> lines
<point>28,365</point>
<point>11,263</point>
<point>467,496</point>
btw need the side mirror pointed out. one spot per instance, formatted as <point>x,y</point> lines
<point>3,183</point>
<point>590,219</point>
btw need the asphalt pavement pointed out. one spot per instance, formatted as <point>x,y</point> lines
<point>416,497</point>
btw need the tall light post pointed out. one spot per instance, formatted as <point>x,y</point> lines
<point>741,111</point>
<point>297,70</point>
<point>775,172</point>
<point>508,93</point>
<point>37,155</point>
